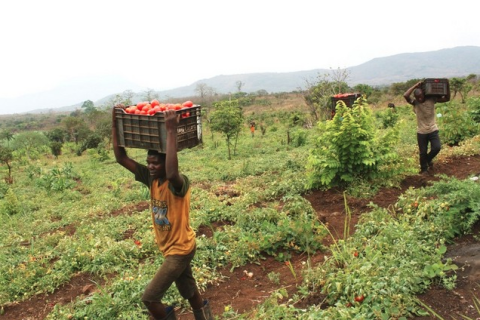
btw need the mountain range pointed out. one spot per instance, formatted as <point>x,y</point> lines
<point>444,63</point>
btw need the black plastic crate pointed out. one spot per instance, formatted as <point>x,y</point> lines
<point>348,98</point>
<point>150,132</point>
<point>438,88</point>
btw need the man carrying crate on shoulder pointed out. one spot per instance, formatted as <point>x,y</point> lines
<point>427,129</point>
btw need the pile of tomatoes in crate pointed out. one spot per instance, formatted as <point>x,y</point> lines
<point>344,95</point>
<point>151,107</point>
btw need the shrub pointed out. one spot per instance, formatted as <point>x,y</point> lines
<point>456,125</point>
<point>350,147</point>
<point>388,118</point>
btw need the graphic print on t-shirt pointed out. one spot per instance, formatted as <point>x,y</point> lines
<point>160,211</point>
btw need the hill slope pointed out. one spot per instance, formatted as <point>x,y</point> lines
<point>447,63</point>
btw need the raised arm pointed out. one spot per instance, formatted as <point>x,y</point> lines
<point>171,162</point>
<point>120,152</point>
<point>408,93</point>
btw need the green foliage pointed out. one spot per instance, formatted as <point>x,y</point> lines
<point>57,135</point>
<point>388,117</point>
<point>88,106</point>
<point>460,86</point>
<point>456,200</point>
<point>255,208</point>
<point>399,88</point>
<point>456,124</point>
<point>6,135</point>
<point>56,148</point>
<point>364,89</point>
<point>297,119</point>
<point>57,179</point>
<point>6,155</point>
<point>350,147</point>
<point>30,143</point>
<point>99,154</point>
<point>298,138</point>
<point>10,204</point>
<point>473,105</point>
<point>393,256</point>
<point>318,94</point>
<point>227,118</point>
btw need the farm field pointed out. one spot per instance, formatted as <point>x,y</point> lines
<point>243,293</point>
<point>76,243</point>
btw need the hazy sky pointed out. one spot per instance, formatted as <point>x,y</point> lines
<point>166,44</point>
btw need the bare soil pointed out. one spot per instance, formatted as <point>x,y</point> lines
<point>243,293</point>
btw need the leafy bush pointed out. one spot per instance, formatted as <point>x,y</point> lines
<point>388,118</point>
<point>395,255</point>
<point>456,125</point>
<point>10,204</point>
<point>298,138</point>
<point>473,105</point>
<point>58,179</point>
<point>350,147</point>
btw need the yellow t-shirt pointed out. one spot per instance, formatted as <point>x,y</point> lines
<point>170,212</point>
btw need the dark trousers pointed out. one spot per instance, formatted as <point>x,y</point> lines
<point>175,268</point>
<point>423,140</point>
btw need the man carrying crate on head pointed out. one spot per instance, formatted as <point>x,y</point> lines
<point>170,206</point>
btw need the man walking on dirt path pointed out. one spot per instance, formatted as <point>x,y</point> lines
<point>170,206</point>
<point>427,129</point>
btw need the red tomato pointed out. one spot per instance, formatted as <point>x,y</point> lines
<point>142,104</point>
<point>147,107</point>
<point>155,102</point>
<point>177,106</point>
<point>359,298</point>
<point>188,104</point>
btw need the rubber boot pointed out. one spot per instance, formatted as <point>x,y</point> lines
<point>205,313</point>
<point>170,314</point>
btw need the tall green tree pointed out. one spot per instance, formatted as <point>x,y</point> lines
<point>227,118</point>
<point>364,89</point>
<point>6,135</point>
<point>30,143</point>
<point>6,157</point>
<point>57,135</point>
<point>88,106</point>
<point>461,86</point>
<point>318,93</point>
<point>75,126</point>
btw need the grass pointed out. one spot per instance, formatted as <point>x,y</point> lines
<point>56,234</point>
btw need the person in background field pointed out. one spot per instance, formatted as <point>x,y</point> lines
<point>252,128</point>
<point>427,129</point>
<point>170,206</point>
